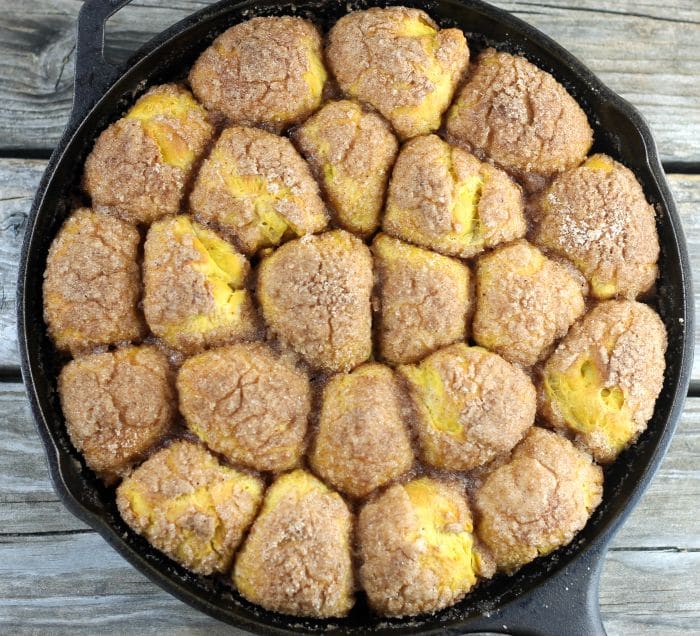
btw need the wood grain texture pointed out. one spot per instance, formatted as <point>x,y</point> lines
<point>19,178</point>
<point>18,182</point>
<point>650,592</point>
<point>84,584</point>
<point>76,584</point>
<point>645,51</point>
<point>686,192</point>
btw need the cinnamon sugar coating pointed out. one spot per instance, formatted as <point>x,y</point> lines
<point>519,116</point>
<point>422,300</point>
<point>246,403</point>
<point>296,558</point>
<point>470,406</point>
<point>352,152</point>
<point>596,215</point>
<point>601,383</point>
<point>194,287</point>
<point>117,405</point>
<point>362,442</point>
<point>267,70</point>
<point>416,547</point>
<point>255,187</point>
<point>537,501</point>
<point>189,506</point>
<point>314,293</point>
<point>141,164</point>
<point>524,302</point>
<point>92,283</point>
<point>443,198</point>
<point>397,60</point>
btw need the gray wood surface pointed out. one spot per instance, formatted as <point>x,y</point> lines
<point>18,181</point>
<point>57,576</point>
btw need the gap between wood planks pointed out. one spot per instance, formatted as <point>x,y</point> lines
<point>25,153</point>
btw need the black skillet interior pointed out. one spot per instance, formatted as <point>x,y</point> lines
<point>532,599</point>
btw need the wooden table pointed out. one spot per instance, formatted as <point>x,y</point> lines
<point>57,576</point>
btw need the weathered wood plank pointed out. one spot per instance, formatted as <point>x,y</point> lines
<point>71,583</point>
<point>75,584</point>
<point>46,516</point>
<point>686,191</point>
<point>18,181</point>
<point>650,592</point>
<point>647,52</point>
<point>23,473</point>
<point>19,178</point>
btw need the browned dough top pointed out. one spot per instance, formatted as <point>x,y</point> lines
<point>176,290</point>
<point>600,220</point>
<point>376,61</point>
<point>247,403</point>
<point>315,295</point>
<point>471,406</point>
<point>626,341</point>
<point>351,153</point>
<point>189,506</point>
<point>92,283</point>
<point>244,157</point>
<point>519,116</point>
<point>424,200</point>
<point>296,558</point>
<point>399,570</point>
<point>362,441</point>
<point>253,73</point>
<point>117,405</point>
<point>525,302</point>
<point>538,501</point>
<point>126,174</point>
<point>422,300</point>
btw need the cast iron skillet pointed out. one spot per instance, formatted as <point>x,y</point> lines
<point>554,595</point>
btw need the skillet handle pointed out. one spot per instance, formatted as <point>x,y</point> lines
<point>93,74</point>
<point>567,603</point>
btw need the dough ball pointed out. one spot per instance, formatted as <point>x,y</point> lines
<point>537,501</point>
<point>519,116</point>
<point>361,442</point>
<point>471,406</point>
<point>92,283</point>
<point>141,165</point>
<point>296,559</point>
<point>397,60</point>
<point>246,403</point>
<point>315,295</point>
<point>267,71</point>
<point>524,302</point>
<point>596,216</point>
<point>189,506</point>
<point>443,198</point>
<point>601,383</point>
<point>256,188</point>
<point>194,287</point>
